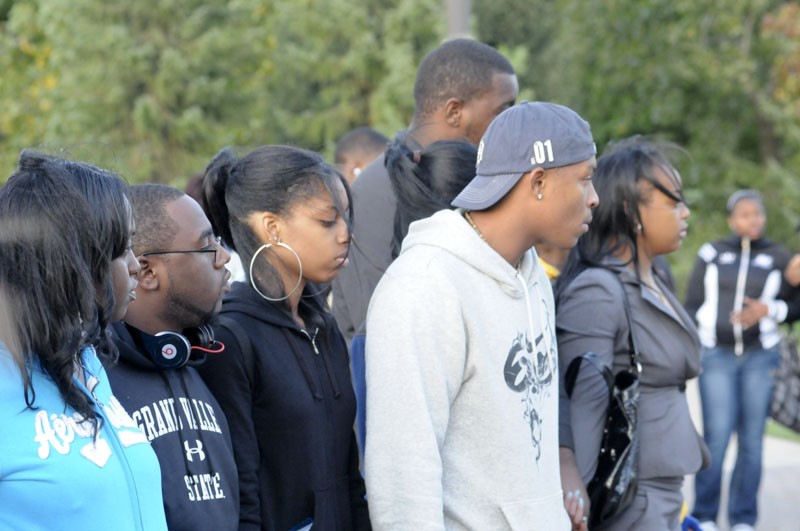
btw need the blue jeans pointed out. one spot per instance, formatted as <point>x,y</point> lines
<point>735,393</point>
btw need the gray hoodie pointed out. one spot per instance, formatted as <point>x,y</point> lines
<point>462,431</point>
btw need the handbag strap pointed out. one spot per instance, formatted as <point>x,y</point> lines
<point>633,349</point>
<point>571,374</point>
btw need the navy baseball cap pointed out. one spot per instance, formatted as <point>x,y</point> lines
<point>521,138</point>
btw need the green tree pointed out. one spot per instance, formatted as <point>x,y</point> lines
<point>342,64</point>
<point>26,82</point>
<point>719,78</point>
<point>154,88</point>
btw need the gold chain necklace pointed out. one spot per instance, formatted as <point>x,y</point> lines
<point>472,224</point>
<point>479,233</point>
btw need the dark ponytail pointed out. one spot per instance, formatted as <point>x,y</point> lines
<point>426,181</point>
<point>268,179</point>
<point>215,182</point>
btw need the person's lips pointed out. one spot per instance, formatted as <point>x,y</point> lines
<point>132,291</point>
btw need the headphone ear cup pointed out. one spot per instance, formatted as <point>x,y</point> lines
<point>202,336</point>
<point>170,350</point>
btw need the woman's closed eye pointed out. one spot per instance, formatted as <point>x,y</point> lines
<point>328,223</point>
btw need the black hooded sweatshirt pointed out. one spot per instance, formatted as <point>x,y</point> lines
<point>293,428</point>
<point>188,431</point>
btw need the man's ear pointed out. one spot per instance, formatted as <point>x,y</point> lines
<point>149,274</point>
<point>538,179</point>
<point>453,108</point>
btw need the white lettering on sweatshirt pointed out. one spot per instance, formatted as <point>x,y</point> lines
<point>202,487</point>
<point>60,431</point>
<point>162,417</point>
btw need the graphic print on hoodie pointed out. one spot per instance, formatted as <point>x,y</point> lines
<point>188,431</point>
<point>532,379</point>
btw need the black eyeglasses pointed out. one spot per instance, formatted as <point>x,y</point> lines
<point>210,249</point>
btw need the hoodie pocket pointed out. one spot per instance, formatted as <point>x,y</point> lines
<point>332,506</point>
<point>536,513</point>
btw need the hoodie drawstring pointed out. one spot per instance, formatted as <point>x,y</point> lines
<point>325,359</point>
<point>303,367</point>
<point>546,342</point>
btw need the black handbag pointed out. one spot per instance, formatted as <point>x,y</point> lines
<point>614,484</point>
<point>785,406</point>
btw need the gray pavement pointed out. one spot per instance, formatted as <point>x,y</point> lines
<point>779,496</point>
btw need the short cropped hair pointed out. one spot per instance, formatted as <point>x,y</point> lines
<point>154,227</point>
<point>359,140</point>
<point>459,68</point>
<point>739,195</point>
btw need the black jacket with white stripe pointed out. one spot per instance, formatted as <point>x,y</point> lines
<point>725,272</point>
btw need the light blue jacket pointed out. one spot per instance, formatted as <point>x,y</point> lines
<point>55,475</point>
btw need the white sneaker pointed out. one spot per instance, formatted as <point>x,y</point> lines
<point>743,527</point>
<point>709,525</point>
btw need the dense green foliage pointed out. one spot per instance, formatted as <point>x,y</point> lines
<point>154,89</point>
<point>722,79</point>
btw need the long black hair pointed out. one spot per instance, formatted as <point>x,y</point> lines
<point>111,212</point>
<point>426,181</point>
<point>45,255</point>
<point>268,179</point>
<point>616,219</point>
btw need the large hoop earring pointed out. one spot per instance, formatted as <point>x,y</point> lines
<point>299,278</point>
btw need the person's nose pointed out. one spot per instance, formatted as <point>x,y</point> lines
<point>594,199</point>
<point>134,267</point>
<point>343,234</point>
<point>223,255</point>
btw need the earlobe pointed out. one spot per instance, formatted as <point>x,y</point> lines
<point>537,182</point>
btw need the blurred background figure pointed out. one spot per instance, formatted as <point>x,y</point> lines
<point>460,86</point>
<point>738,296</point>
<point>356,149</point>
<point>552,259</point>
